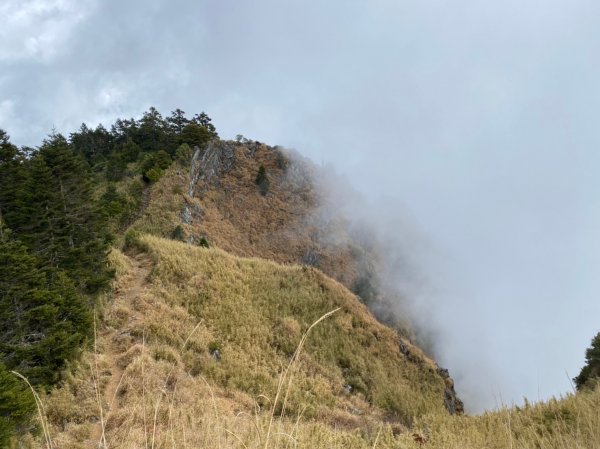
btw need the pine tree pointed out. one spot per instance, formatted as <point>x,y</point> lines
<point>12,177</point>
<point>204,120</point>
<point>42,318</point>
<point>61,222</point>
<point>195,135</point>
<point>177,121</point>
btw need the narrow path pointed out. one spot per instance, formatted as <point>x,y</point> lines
<point>133,286</point>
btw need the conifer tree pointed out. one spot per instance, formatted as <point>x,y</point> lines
<point>177,121</point>
<point>64,225</point>
<point>42,318</point>
<point>591,371</point>
<point>12,176</point>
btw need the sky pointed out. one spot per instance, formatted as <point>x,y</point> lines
<point>470,127</point>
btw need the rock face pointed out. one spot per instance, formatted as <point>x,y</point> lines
<point>209,164</point>
<point>451,401</point>
<point>206,168</point>
<point>195,170</point>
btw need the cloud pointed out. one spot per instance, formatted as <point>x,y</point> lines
<point>478,120</point>
<point>38,29</point>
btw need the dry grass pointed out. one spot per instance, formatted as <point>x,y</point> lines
<point>281,226</point>
<point>162,384</point>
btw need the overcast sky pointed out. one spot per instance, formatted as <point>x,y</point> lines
<point>475,122</point>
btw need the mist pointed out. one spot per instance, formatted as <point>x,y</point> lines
<point>469,129</point>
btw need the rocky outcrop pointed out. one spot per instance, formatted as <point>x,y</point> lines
<point>206,167</point>
<point>451,401</point>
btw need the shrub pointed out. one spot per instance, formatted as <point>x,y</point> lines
<point>178,234</point>
<point>262,180</point>
<point>153,175</point>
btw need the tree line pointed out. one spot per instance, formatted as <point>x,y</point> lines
<point>58,203</point>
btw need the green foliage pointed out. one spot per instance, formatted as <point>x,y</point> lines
<point>214,346</point>
<point>590,373</point>
<point>43,320</point>
<point>262,181</point>
<point>204,242</point>
<point>115,167</point>
<point>177,121</point>
<point>196,135</point>
<point>129,151</point>
<point>154,164</point>
<point>178,233</point>
<point>183,154</point>
<point>205,121</point>
<point>49,204</point>
<point>153,175</point>
<point>16,406</point>
<point>95,145</point>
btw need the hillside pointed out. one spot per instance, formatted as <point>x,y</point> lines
<point>196,350</point>
<point>216,200</point>
<point>195,337</point>
<point>233,304</point>
<point>226,207</point>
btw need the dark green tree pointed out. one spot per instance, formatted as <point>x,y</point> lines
<point>123,130</point>
<point>262,180</point>
<point>590,373</point>
<point>129,151</point>
<point>154,164</point>
<point>43,320</point>
<point>12,176</point>
<point>116,167</point>
<point>195,135</point>
<point>95,145</point>
<point>204,120</point>
<point>61,221</point>
<point>16,406</point>
<point>154,133</point>
<point>177,120</point>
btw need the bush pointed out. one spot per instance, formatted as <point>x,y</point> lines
<point>262,180</point>
<point>183,154</point>
<point>178,234</point>
<point>195,135</point>
<point>153,175</point>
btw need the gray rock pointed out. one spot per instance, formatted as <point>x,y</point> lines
<point>310,258</point>
<point>216,354</point>
<point>186,215</point>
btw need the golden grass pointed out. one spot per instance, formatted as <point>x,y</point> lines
<point>162,384</point>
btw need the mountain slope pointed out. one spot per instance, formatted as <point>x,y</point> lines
<point>294,222</point>
<point>206,326</point>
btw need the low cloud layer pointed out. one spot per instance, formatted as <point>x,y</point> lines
<point>473,122</point>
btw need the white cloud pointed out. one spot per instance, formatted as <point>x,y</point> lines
<point>38,29</point>
<point>6,111</point>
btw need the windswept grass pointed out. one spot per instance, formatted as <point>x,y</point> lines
<point>214,351</point>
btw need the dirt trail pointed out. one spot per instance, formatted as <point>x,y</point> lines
<point>133,285</point>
